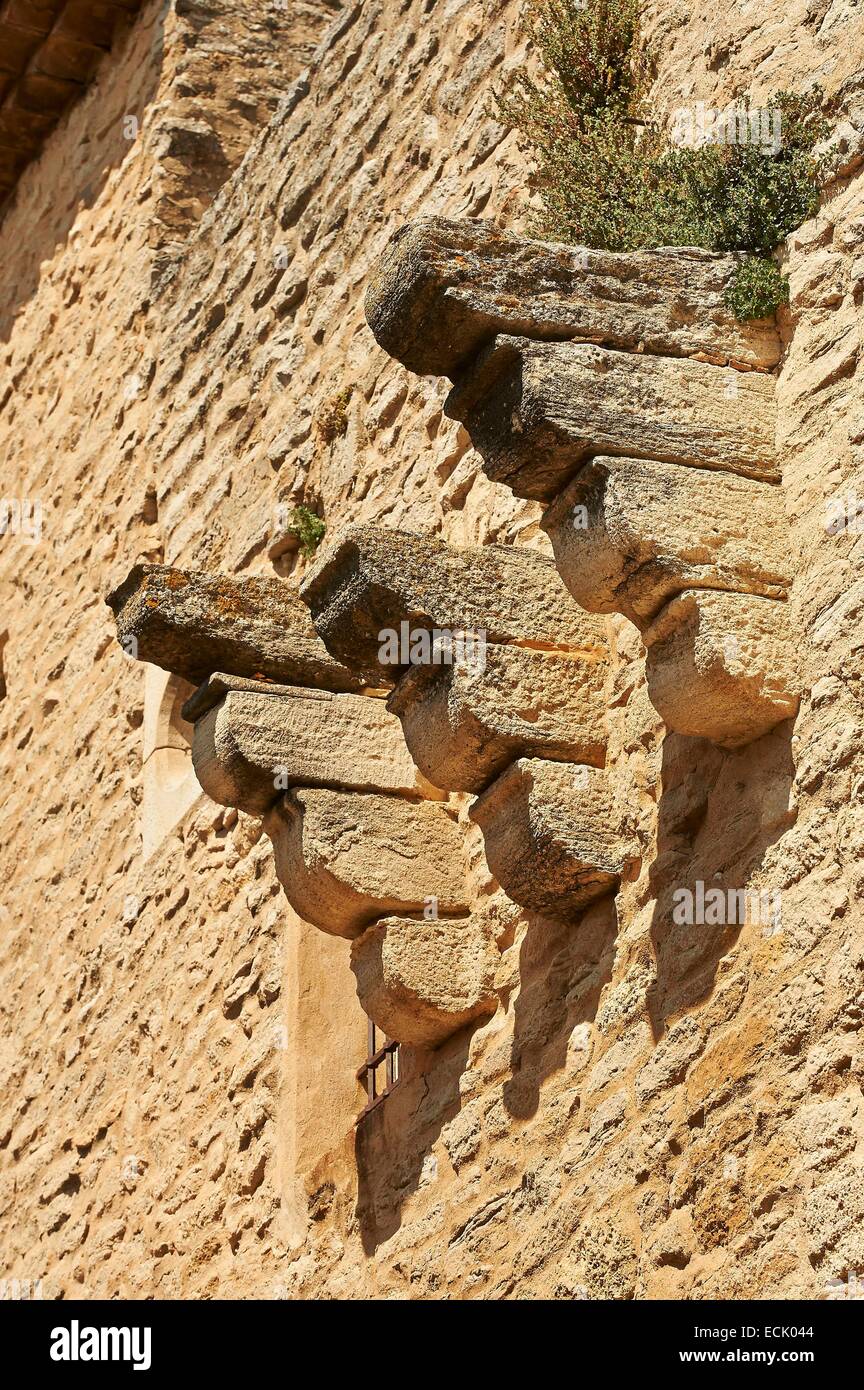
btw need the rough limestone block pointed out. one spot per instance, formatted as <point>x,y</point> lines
<point>550,841</point>
<point>421,981</point>
<point>464,724</point>
<point>372,579</point>
<point>444,288</point>
<point>721,666</point>
<point>193,624</point>
<point>536,411</point>
<point>629,534</point>
<point>345,858</point>
<point>253,742</point>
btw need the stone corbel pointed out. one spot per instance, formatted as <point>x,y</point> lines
<point>525,726</point>
<point>253,741</point>
<point>358,833</point>
<point>629,534</point>
<point>193,624</point>
<point>618,389</point>
<point>536,411</point>
<point>464,724</point>
<point>444,288</point>
<point>374,578</point>
<point>423,981</point>
<point>549,835</point>
<point>529,679</point>
<point>346,858</point>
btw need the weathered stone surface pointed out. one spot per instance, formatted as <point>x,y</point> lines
<point>253,744</point>
<point>463,723</point>
<point>213,691</point>
<point>193,624</point>
<point>374,578</point>
<point>422,981</point>
<point>345,858</point>
<point>535,411</point>
<point>548,829</point>
<point>114,1036</point>
<point>629,534</point>
<point>443,288</point>
<point>722,666</point>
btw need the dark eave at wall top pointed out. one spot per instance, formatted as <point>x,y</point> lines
<point>49,53</point>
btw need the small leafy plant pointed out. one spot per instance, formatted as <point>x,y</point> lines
<point>756,289</point>
<point>308,528</point>
<point>609,176</point>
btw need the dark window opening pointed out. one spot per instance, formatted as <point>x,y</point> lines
<point>382,1053</point>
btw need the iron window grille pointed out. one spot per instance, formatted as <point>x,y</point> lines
<point>382,1052</point>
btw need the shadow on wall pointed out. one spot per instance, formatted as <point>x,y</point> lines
<point>718,814</point>
<point>562,971</point>
<point>49,206</point>
<point>391,1144</point>
<point>563,967</point>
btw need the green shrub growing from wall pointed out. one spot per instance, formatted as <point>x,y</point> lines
<point>308,528</point>
<point>609,176</point>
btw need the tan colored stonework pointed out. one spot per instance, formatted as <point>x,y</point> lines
<point>165,384</point>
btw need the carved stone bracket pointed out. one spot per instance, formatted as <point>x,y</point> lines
<point>619,390</point>
<point>252,741</point>
<point>525,725</point>
<point>464,724</point>
<point>346,858</point>
<point>549,835</point>
<point>358,832</point>
<point>373,579</point>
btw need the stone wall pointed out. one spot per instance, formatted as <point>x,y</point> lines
<point>654,1110</point>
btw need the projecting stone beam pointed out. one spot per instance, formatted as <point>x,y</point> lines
<point>722,666</point>
<point>194,624</point>
<point>253,741</point>
<point>548,830</point>
<point>375,594</point>
<point>345,858</point>
<point>629,534</point>
<point>463,723</point>
<point>445,288</point>
<point>536,411</point>
<point>420,981</point>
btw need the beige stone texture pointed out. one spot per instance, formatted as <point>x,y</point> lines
<point>344,858</point>
<point>443,289</point>
<point>550,835</point>
<point>254,744</point>
<point>178,1049</point>
<point>465,721</point>
<point>194,624</point>
<point>629,534</point>
<point>722,666</point>
<point>372,579</point>
<point>423,981</point>
<point>535,411</point>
